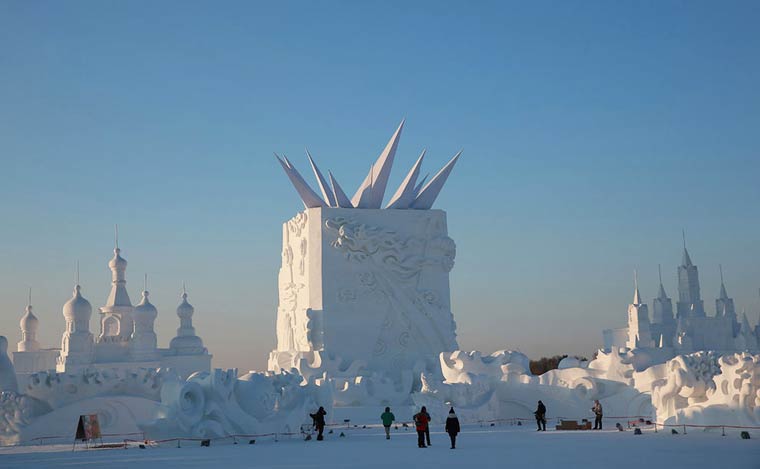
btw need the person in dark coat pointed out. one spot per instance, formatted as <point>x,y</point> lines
<point>452,427</point>
<point>541,416</point>
<point>427,430</point>
<point>598,414</point>
<point>319,422</point>
<point>421,424</point>
<point>387,417</point>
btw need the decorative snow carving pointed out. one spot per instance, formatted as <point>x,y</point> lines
<point>378,277</point>
<point>702,388</point>
<point>219,403</point>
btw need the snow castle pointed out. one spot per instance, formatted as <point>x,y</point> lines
<point>663,336</point>
<point>126,339</point>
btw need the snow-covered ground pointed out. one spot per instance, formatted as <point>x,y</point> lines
<point>477,447</point>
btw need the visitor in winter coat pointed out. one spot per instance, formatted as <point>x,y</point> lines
<point>541,416</point>
<point>421,424</point>
<point>452,427</point>
<point>319,422</point>
<point>427,430</point>
<point>597,410</point>
<point>387,419</point>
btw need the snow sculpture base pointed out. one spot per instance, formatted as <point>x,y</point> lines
<point>366,286</point>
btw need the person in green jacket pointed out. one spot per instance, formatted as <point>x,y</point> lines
<point>387,419</point>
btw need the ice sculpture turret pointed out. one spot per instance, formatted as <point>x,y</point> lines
<point>116,324</point>
<point>639,334</point>
<point>186,342</point>
<point>29,324</point>
<point>77,341</point>
<point>143,342</point>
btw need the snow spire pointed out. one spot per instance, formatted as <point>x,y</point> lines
<point>405,195</point>
<point>411,194</point>
<point>341,199</point>
<point>327,194</point>
<point>309,198</point>
<point>661,294</point>
<point>723,293</point>
<point>371,191</point>
<point>636,294</point>
<point>430,191</point>
<point>685,260</point>
<point>420,184</point>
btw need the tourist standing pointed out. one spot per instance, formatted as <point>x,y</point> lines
<point>540,414</point>
<point>421,424</point>
<point>452,427</point>
<point>387,419</point>
<point>319,422</point>
<point>598,413</point>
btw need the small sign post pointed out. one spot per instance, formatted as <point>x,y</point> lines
<point>88,429</point>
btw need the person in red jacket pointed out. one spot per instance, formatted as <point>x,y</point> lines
<point>421,424</point>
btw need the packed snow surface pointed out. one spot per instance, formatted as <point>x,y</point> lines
<point>482,447</point>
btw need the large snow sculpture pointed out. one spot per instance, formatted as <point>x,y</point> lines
<point>365,285</point>
<point>50,402</point>
<point>361,286</point>
<point>500,386</point>
<point>219,404</point>
<point>704,389</point>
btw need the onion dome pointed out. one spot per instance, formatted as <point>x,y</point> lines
<point>117,262</point>
<point>77,309</point>
<point>185,310</point>
<point>145,311</point>
<point>186,342</point>
<point>29,321</point>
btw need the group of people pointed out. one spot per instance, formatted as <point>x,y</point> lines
<point>540,414</point>
<point>422,423</point>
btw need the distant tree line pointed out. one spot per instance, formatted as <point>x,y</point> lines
<point>544,364</point>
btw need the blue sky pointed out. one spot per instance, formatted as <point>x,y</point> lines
<point>593,132</point>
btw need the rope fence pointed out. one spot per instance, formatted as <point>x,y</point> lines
<point>128,439</point>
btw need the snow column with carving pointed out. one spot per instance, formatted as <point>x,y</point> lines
<point>363,286</point>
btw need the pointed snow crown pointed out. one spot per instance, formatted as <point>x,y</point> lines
<point>636,294</point>
<point>686,260</point>
<point>661,294</point>
<point>371,191</point>
<point>411,194</point>
<point>723,293</point>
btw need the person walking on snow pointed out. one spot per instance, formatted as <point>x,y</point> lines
<point>421,424</point>
<point>541,416</point>
<point>452,427</point>
<point>319,422</point>
<point>387,419</point>
<point>597,410</point>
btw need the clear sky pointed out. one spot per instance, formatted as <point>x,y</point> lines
<point>592,133</point>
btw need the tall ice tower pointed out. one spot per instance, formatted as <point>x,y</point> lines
<point>690,302</point>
